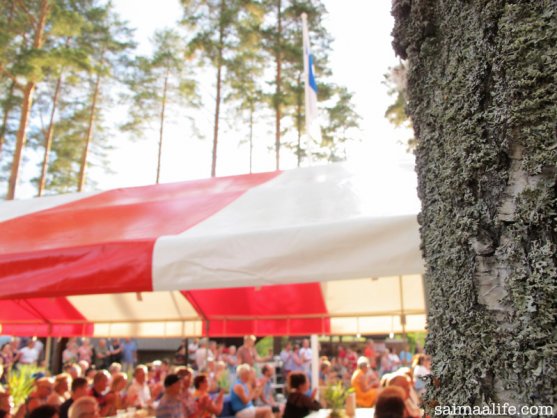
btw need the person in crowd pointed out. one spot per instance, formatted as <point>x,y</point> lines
<point>247,354</point>
<point>267,396</point>
<point>45,411</point>
<point>202,355</point>
<point>116,349</point>
<point>6,361</point>
<point>102,355</point>
<point>222,376</point>
<point>16,344</point>
<point>211,408</point>
<point>70,354</point>
<point>231,359</point>
<point>85,351</point>
<point>6,401</point>
<point>170,405</point>
<point>139,394</point>
<point>298,403</point>
<point>390,403</point>
<point>214,349</point>
<point>351,360</point>
<point>369,352</point>
<point>115,398</point>
<point>129,355</point>
<point>39,396</point>
<point>411,410</point>
<point>365,383</point>
<point>192,407</point>
<point>420,371</point>
<point>60,394</point>
<point>243,392</point>
<point>29,354</point>
<point>305,357</point>
<point>84,366</point>
<point>193,345</point>
<point>114,368</point>
<point>74,370</point>
<point>80,389</point>
<point>98,391</point>
<point>84,407</point>
<point>405,356</point>
<point>287,358</point>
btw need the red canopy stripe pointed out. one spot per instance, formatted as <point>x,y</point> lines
<point>283,310</point>
<point>104,243</point>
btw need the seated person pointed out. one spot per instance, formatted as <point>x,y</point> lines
<point>267,393</point>
<point>243,392</point>
<point>365,383</point>
<point>298,404</point>
<point>403,382</point>
<point>390,403</point>
<point>211,408</point>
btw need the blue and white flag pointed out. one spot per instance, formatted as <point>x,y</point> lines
<point>313,130</point>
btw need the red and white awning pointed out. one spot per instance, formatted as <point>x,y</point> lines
<point>274,253</point>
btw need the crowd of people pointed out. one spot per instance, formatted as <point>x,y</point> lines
<point>209,379</point>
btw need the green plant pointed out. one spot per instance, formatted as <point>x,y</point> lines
<point>335,397</point>
<point>20,382</point>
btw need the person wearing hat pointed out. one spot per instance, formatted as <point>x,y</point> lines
<point>170,405</point>
<point>365,383</point>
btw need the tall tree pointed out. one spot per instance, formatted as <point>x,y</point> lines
<point>245,73</point>
<point>213,25</point>
<point>482,97</point>
<point>36,16</point>
<point>160,81</point>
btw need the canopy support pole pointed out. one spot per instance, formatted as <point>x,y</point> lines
<point>315,362</point>
<point>47,352</point>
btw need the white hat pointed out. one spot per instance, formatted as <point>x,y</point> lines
<point>363,360</point>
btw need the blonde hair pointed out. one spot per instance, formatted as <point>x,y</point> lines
<point>243,368</point>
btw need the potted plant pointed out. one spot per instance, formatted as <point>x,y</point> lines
<point>335,398</point>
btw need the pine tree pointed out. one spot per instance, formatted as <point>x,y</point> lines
<point>162,80</point>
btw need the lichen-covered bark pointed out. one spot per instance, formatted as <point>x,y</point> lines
<point>482,87</point>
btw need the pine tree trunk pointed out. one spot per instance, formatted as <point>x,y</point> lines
<point>483,100</point>
<point>48,137</point>
<point>278,84</point>
<point>163,107</point>
<point>89,135</point>
<point>251,112</point>
<point>219,87</point>
<point>28,91</point>
<point>5,117</point>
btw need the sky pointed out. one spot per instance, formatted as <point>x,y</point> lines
<point>361,55</point>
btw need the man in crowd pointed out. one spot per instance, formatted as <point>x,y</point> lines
<point>247,354</point>
<point>84,407</point>
<point>29,354</point>
<point>202,355</point>
<point>79,390</point>
<point>139,394</point>
<point>170,405</point>
<point>305,357</point>
<point>98,390</point>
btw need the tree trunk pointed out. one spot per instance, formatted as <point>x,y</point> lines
<point>483,101</point>
<point>219,87</point>
<point>5,117</point>
<point>48,136</point>
<point>251,111</point>
<point>89,136</point>
<point>163,107</point>
<point>299,107</point>
<point>278,83</point>
<point>28,91</point>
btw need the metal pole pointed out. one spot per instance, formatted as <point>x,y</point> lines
<point>315,362</point>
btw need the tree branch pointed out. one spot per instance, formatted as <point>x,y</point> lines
<point>22,5</point>
<point>11,77</point>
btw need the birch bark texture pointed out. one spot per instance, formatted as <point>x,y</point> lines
<point>482,87</point>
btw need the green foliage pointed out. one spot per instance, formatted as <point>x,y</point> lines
<point>336,395</point>
<point>21,382</point>
<point>483,102</point>
<point>264,346</point>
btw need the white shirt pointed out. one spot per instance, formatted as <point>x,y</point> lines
<point>140,394</point>
<point>305,356</point>
<point>28,355</point>
<point>202,355</point>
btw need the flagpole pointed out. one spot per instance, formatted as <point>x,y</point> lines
<point>313,131</point>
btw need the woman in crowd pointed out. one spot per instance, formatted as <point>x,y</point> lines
<point>210,408</point>
<point>115,397</point>
<point>244,392</point>
<point>365,383</point>
<point>298,404</point>
<point>61,393</point>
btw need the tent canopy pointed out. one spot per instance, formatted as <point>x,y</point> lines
<point>329,249</point>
